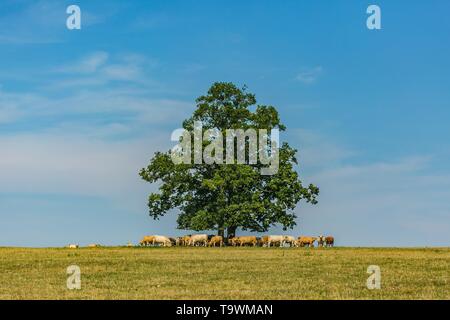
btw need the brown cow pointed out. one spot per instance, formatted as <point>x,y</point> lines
<point>173,241</point>
<point>185,240</point>
<point>329,241</point>
<point>233,241</point>
<point>306,241</point>
<point>264,241</point>
<point>147,240</point>
<point>251,240</point>
<point>216,240</point>
<point>259,242</point>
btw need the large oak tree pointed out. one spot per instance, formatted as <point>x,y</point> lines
<point>229,196</point>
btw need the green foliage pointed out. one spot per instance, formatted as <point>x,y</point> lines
<point>228,196</point>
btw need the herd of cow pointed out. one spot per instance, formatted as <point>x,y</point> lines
<point>214,241</point>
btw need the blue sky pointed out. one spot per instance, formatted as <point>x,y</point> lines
<point>82,111</point>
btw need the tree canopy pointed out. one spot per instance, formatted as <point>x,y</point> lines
<point>229,196</point>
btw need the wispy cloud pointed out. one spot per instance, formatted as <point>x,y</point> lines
<point>132,106</point>
<point>72,164</point>
<point>317,150</point>
<point>381,197</point>
<point>310,75</point>
<point>387,199</point>
<point>100,68</point>
<point>88,64</point>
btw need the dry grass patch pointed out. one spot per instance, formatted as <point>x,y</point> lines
<point>224,273</point>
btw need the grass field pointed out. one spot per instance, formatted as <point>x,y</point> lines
<point>224,273</point>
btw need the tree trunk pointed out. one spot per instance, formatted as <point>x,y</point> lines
<point>221,232</point>
<point>231,232</point>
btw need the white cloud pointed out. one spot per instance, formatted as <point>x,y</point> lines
<point>309,76</point>
<point>72,164</point>
<point>15,106</point>
<point>88,64</point>
<point>383,202</point>
<point>122,72</point>
<point>134,106</point>
<point>100,69</point>
<point>72,145</point>
<point>316,150</point>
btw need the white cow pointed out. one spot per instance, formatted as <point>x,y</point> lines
<point>275,239</point>
<point>289,239</point>
<point>162,240</point>
<point>320,241</point>
<point>72,246</point>
<point>198,238</point>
